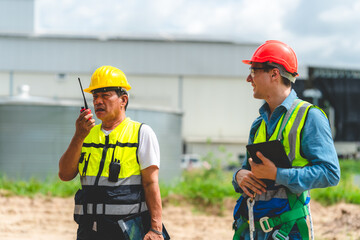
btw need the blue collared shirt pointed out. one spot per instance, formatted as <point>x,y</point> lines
<point>317,146</point>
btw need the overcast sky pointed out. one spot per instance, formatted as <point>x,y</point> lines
<point>322,32</point>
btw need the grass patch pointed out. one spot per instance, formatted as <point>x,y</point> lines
<point>50,187</point>
<point>202,188</point>
<point>206,189</point>
<point>345,191</point>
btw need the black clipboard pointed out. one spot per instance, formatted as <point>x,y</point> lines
<point>135,227</point>
<point>273,150</point>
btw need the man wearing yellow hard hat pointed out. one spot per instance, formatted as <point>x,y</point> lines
<point>118,163</point>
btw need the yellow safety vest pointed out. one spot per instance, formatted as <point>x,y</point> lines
<point>288,130</point>
<point>100,197</point>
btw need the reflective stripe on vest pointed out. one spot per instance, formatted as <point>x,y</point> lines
<point>110,209</point>
<point>99,195</point>
<point>103,181</point>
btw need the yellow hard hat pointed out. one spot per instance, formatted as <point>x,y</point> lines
<point>107,76</point>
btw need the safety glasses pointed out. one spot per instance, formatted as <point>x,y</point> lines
<point>252,70</point>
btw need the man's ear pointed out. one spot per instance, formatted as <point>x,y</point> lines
<point>124,99</point>
<point>275,74</point>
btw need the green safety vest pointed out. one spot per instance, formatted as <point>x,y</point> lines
<point>100,197</point>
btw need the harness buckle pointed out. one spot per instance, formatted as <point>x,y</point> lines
<point>279,236</point>
<point>265,225</point>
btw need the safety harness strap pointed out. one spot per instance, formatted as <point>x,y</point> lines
<point>296,203</point>
<point>240,229</point>
<point>286,220</point>
<point>288,217</point>
<point>267,224</point>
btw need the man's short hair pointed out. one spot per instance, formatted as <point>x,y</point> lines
<point>283,73</point>
<point>121,92</point>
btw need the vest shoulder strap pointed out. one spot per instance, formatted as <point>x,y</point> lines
<point>289,113</point>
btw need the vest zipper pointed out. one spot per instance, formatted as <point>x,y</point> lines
<point>102,162</point>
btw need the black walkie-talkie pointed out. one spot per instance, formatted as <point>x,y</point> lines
<point>82,91</point>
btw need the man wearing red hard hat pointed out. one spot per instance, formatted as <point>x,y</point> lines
<point>275,200</point>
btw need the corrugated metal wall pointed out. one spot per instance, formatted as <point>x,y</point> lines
<point>84,55</point>
<point>167,126</point>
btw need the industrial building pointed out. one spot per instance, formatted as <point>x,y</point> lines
<point>191,91</point>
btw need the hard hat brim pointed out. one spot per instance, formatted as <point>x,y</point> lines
<point>90,89</point>
<point>247,62</point>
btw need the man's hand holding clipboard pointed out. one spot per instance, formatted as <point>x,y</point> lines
<point>261,175</point>
<point>264,170</point>
<point>264,160</point>
<point>266,157</point>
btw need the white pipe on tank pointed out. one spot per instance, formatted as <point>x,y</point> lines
<point>11,83</point>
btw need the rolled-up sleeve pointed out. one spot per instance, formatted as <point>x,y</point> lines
<point>317,147</point>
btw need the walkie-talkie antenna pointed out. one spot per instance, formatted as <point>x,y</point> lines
<point>82,91</point>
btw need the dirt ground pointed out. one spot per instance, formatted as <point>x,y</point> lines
<point>43,218</point>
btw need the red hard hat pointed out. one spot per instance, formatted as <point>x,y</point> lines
<point>274,51</point>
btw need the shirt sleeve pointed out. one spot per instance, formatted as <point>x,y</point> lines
<point>318,148</point>
<point>149,150</point>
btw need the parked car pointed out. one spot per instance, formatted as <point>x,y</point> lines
<point>193,161</point>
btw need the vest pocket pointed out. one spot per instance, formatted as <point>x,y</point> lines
<point>114,170</point>
<point>79,214</point>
